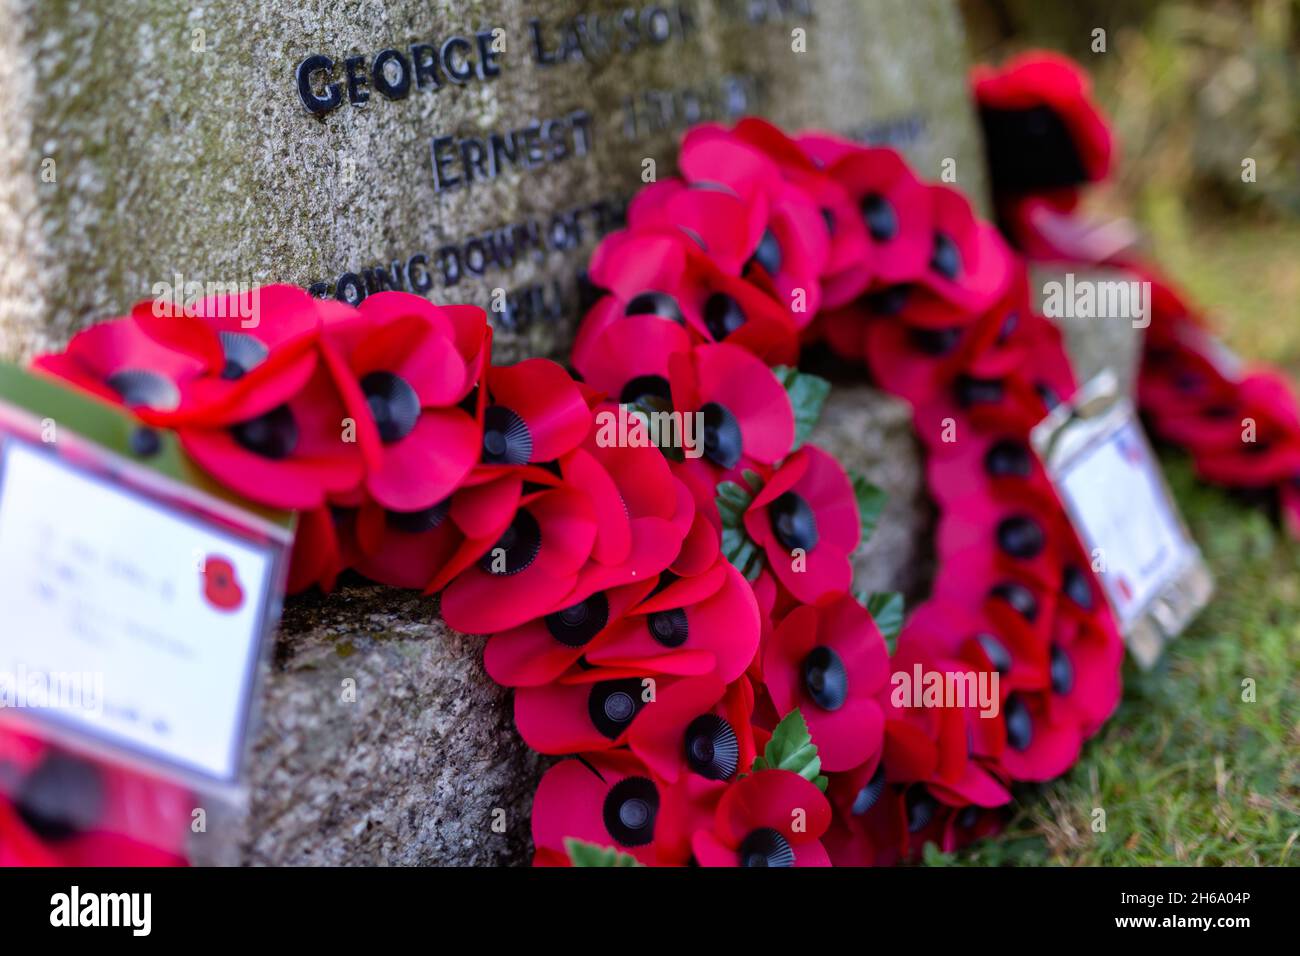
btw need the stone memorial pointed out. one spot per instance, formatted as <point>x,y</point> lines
<point>470,152</point>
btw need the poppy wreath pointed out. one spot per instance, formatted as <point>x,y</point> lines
<point>1048,140</point>
<point>674,607</point>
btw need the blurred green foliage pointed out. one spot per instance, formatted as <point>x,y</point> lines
<point>1194,88</point>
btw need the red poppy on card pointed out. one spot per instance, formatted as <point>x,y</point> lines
<point>706,624</point>
<point>1042,126</point>
<point>746,412</point>
<point>831,664</point>
<point>221,586</point>
<point>805,519</point>
<point>406,360</point>
<point>769,818</point>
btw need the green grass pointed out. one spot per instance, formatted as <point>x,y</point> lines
<point>1187,772</point>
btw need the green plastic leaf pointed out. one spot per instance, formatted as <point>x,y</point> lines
<point>886,609</point>
<point>931,855</point>
<point>807,397</point>
<point>582,853</point>
<point>871,502</point>
<point>733,500</point>
<point>791,748</point>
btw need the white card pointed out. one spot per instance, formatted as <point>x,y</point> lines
<point>1124,517</point>
<point>155,614</point>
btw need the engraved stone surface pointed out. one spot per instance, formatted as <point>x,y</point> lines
<point>179,144</point>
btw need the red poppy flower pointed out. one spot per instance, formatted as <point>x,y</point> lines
<point>539,651</point>
<point>122,364</point>
<point>1038,747</point>
<point>644,514</point>
<point>969,265</point>
<point>665,297</point>
<point>870,822</point>
<point>1086,657</point>
<point>699,728</point>
<point>610,799</point>
<point>65,810</point>
<point>1018,530</point>
<point>894,220</point>
<point>949,704</point>
<point>747,416</point>
<point>535,413</point>
<point>805,519</point>
<point>912,362</point>
<point>1042,126</point>
<point>850,246</point>
<point>995,462</point>
<point>404,549</point>
<point>529,568</point>
<point>595,710</point>
<point>1002,339</point>
<point>825,148</point>
<point>769,818</point>
<point>289,455</point>
<point>831,664</point>
<point>270,325</point>
<point>706,624</point>
<point>791,254</point>
<point>407,361</point>
<point>714,219</point>
<point>945,631</point>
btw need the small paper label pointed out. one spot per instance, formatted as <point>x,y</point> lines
<point>1125,519</point>
<point>127,621</point>
<point>1104,470</point>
